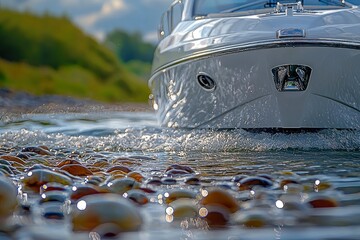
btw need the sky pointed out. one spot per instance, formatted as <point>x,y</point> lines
<point>97,17</point>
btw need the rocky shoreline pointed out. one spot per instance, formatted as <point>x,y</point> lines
<point>12,102</point>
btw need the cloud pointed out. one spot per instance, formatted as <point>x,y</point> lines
<point>97,17</point>
<point>107,7</point>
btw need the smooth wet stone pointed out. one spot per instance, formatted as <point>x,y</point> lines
<point>288,181</point>
<point>37,166</point>
<point>221,197</point>
<point>192,181</point>
<point>13,159</point>
<point>181,209</point>
<point>253,218</point>
<point>251,182</point>
<point>94,180</point>
<point>137,196</point>
<point>156,181</point>
<point>168,181</point>
<point>176,194</point>
<point>8,197</point>
<point>238,178</point>
<point>103,209</point>
<point>322,201</point>
<point>67,162</point>
<point>36,178</point>
<point>293,188</point>
<point>216,216</point>
<point>37,150</point>
<point>52,210</point>
<point>76,170</point>
<point>117,174</point>
<point>52,186</point>
<point>292,203</point>
<point>120,168</point>
<point>4,162</point>
<point>101,164</point>
<point>126,161</point>
<point>23,156</point>
<point>180,168</point>
<point>38,160</point>
<point>135,175</point>
<point>7,169</point>
<point>79,191</point>
<point>322,186</point>
<point>53,196</point>
<point>123,185</point>
<point>105,231</point>
<point>176,173</point>
<point>267,176</point>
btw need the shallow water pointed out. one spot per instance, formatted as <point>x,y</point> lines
<point>329,156</point>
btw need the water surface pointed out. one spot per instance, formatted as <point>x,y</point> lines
<point>330,156</point>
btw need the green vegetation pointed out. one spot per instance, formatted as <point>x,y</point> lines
<point>132,50</point>
<point>49,55</point>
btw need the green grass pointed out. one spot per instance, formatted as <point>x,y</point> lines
<point>49,55</point>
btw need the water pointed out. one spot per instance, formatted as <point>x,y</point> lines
<point>330,156</point>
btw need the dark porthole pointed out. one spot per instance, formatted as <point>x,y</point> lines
<point>206,82</point>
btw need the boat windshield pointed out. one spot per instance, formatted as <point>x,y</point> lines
<point>205,7</point>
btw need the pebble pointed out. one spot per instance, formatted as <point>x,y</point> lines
<point>76,170</point>
<point>216,216</point>
<point>176,194</point>
<point>181,209</point>
<point>221,197</point>
<point>123,185</point>
<point>8,198</point>
<point>249,183</point>
<point>322,201</point>
<point>37,150</point>
<point>34,179</point>
<point>104,209</point>
<point>79,191</point>
<point>137,196</point>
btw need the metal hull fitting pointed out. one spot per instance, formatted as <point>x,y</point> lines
<point>245,94</point>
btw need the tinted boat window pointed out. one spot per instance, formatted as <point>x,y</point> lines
<point>205,7</point>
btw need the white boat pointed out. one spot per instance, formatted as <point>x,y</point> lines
<point>258,65</point>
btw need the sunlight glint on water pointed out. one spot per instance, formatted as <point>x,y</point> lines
<point>329,155</point>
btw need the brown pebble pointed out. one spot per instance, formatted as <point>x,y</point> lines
<point>79,191</point>
<point>34,179</point>
<point>76,170</point>
<point>101,164</point>
<point>13,159</point>
<point>216,216</point>
<point>251,182</point>
<point>37,150</point>
<point>180,168</point>
<point>137,196</point>
<point>322,202</point>
<point>103,209</point>
<point>118,168</point>
<point>135,175</point>
<point>123,185</point>
<point>218,196</point>
<point>176,194</point>
<point>52,186</point>
<point>181,209</point>
<point>285,182</point>
<point>67,162</point>
<point>192,181</point>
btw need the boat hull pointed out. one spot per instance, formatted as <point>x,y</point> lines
<point>246,96</point>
